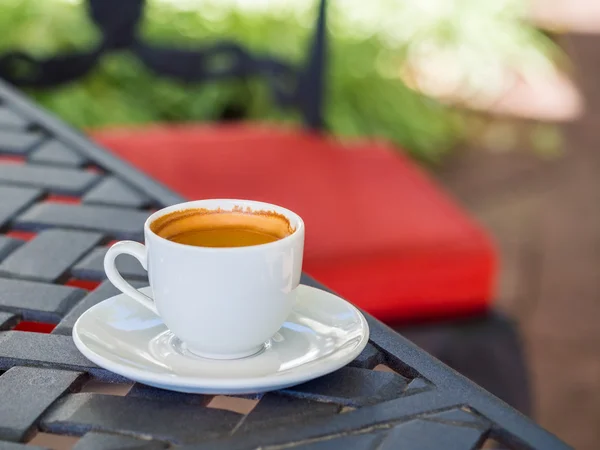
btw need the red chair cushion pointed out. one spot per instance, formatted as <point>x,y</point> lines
<point>378,230</point>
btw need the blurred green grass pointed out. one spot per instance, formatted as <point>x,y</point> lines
<point>365,96</point>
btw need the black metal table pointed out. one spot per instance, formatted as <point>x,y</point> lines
<point>74,198</point>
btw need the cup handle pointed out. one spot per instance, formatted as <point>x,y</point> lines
<point>138,251</point>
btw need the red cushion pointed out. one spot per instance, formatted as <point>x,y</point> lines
<point>378,230</point>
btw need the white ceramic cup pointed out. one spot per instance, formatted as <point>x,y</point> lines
<point>223,303</point>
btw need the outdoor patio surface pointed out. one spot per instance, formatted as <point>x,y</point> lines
<point>544,214</point>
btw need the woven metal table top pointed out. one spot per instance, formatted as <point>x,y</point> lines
<point>63,200</point>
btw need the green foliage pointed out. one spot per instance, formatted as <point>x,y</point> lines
<point>365,94</point>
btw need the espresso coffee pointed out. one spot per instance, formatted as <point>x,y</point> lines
<point>221,228</point>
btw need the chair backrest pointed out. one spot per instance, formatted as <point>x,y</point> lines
<point>299,87</point>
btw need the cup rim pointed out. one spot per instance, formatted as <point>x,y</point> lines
<point>290,215</point>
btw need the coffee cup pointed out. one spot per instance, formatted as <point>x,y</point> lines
<point>222,299</point>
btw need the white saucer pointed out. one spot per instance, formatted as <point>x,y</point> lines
<point>323,334</point>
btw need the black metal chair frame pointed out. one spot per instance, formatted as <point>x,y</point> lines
<point>118,20</point>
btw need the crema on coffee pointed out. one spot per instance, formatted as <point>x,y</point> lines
<point>222,228</point>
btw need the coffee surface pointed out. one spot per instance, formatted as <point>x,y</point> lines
<point>222,228</point>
